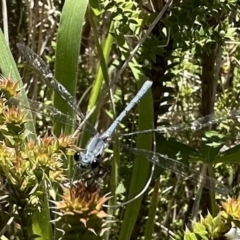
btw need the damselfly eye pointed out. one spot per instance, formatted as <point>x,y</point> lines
<point>94,164</point>
<point>76,156</point>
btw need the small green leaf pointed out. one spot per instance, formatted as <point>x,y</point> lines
<point>198,227</point>
<point>231,155</point>
<point>211,144</point>
<point>120,189</point>
<point>189,235</point>
<point>217,221</point>
<point>95,5</point>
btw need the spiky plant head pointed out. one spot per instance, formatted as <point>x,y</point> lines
<point>81,212</point>
<point>8,87</point>
<point>28,167</point>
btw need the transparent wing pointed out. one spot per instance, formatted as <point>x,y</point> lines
<point>36,62</point>
<point>181,169</point>
<point>194,125</point>
<point>47,111</point>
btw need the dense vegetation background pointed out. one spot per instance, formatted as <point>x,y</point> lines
<point>191,55</point>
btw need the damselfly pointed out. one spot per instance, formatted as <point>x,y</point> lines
<point>99,142</point>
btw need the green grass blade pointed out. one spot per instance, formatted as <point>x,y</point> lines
<point>67,52</point>
<point>141,165</point>
<point>66,62</point>
<point>149,228</point>
<point>103,55</point>
<point>41,219</point>
<point>102,72</point>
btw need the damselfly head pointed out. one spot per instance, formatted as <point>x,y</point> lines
<point>84,161</point>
